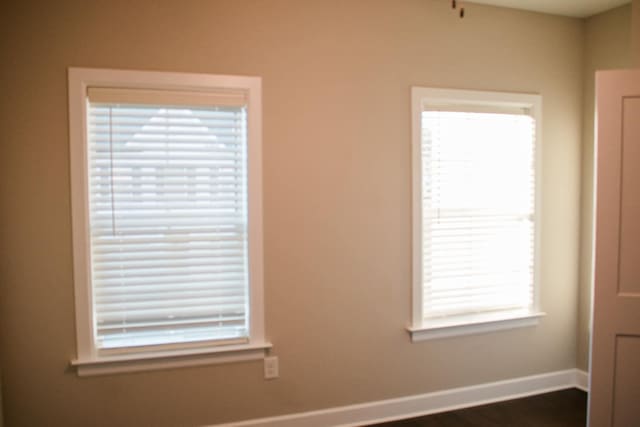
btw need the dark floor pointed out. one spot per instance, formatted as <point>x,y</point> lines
<point>566,408</point>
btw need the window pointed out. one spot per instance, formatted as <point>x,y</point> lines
<point>166,204</point>
<point>476,159</point>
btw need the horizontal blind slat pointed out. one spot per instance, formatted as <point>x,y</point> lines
<point>176,279</point>
<point>151,313</point>
<point>220,285</point>
<point>127,293</point>
<point>172,233</point>
<point>194,322</point>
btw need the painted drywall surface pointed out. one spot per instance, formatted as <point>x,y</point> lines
<point>606,46</point>
<point>635,44</point>
<point>336,77</point>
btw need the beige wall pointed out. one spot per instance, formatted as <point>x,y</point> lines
<point>336,77</point>
<point>635,44</point>
<point>607,39</point>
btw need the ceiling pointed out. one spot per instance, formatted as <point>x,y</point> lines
<point>576,8</point>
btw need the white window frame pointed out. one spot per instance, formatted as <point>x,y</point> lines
<point>89,361</point>
<point>422,97</point>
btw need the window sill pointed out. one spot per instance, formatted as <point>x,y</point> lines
<point>169,359</point>
<point>473,324</point>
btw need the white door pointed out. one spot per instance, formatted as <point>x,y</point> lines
<point>614,398</point>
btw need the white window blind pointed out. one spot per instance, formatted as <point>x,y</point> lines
<point>168,217</point>
<point>478,210</point>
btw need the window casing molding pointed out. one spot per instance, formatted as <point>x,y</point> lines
<point>88,355</point>
<point>424,99</point>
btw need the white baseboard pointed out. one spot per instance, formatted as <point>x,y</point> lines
<point>424,404</point>
<point>582,380</point>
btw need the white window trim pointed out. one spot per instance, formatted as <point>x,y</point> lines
<point>166,360</point>
<point>486,322</point>
<point>88,361</point>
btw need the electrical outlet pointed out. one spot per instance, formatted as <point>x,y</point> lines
<point>271,370</point>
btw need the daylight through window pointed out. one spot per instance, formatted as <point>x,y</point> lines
<point>476,195</point>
